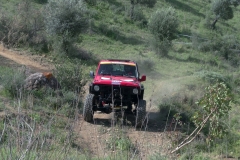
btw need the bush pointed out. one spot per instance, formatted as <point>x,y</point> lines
<point>225,46</point>
<point>65,20</point>
<point>23,27</point>
<point>91,2</point>
<point>163,24</point>
<point>111,31</point>
<point>12,81</point>
<point>149,3</point>
<point>161,48</point>
<point>214,77</point>
<point>137,15</point>
<point>40,1</point>
<point>65,16</point>
<point>70,75</point>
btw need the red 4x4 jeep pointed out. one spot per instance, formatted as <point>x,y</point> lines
<point>116,86</point>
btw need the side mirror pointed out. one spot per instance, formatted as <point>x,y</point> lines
<point>92,74</point>
<point>143,78</point>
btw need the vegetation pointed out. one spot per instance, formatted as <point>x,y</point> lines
<point>194,53</point>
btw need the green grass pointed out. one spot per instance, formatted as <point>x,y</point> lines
<point>179,74</point>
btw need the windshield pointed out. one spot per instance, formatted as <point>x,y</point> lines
<point>118,70</point>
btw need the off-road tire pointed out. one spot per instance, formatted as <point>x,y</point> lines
<point>140,113</point>
<point>88,108</point>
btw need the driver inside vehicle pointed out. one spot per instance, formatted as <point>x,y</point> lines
<point>105,69</point>
<point>130,70</point>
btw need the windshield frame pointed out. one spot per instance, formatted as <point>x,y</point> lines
<point>117,69</point>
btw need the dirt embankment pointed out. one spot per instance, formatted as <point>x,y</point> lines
<point>33,62</point>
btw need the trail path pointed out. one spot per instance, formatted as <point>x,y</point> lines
<point>33,62</point>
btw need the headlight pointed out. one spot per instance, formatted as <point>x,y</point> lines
<point>96,88</point>
<point>135,91</point>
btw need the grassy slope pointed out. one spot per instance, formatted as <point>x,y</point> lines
<point>172,74</point>
<point>132,41</point>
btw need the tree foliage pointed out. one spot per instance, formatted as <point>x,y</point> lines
<point>65,20</point>
<point>65,16</point>
<point>163,24</point>
<point>222,9</point>
<point>23,27</point>
<point>217,103</point>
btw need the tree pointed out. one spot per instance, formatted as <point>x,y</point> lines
<point>222,9</point>
<point>163,24</point>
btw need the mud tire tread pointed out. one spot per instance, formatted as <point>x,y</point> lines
<point>88,108</point>
<point>140,113</point>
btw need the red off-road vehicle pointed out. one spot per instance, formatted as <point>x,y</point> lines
<point>116,86</point>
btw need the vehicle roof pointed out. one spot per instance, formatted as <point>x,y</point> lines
<point>117,61</point>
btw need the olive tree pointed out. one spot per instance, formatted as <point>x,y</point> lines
<point>163,25</point>
<point>222,10</point>
<point>65,20</point>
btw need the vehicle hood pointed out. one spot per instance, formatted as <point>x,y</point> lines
<point>116,80</point>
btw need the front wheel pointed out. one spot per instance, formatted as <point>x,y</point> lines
<point>88,108</point>
<point>140,113</point>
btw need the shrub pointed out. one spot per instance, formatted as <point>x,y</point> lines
<point>91,2</point>
<point>214,77</point>
<point>111,31</point>
<point>163,24</point>
<point>65,20</point>
<point>137,15</point>
<point>40,1</point>
<point>12,81</point>
<point>65,16</point>
<point>149,3</point>
<point>225,46</point>
<point>24,27</point>
<point>70,75</point>
<point>161,48</point>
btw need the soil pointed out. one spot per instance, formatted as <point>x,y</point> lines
<point>15,58</point>
<point>150,140</point>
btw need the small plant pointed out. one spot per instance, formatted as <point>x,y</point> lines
<point>12,81</point>
<point>119,142</point>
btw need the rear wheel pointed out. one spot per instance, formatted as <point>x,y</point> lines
<point>140,113</point>
<point>88,108</point>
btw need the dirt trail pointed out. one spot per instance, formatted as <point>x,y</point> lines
<point>94,136</point>
<point>34,62</point>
